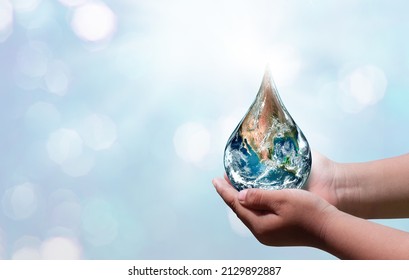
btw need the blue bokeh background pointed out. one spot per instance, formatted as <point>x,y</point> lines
<point>114,115</point>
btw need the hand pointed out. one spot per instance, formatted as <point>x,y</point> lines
<point>279,218</point>
<point>327,179</point>
<point>324,178</point>
<point>334,182</point>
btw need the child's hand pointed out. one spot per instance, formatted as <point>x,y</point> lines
<point>282,217</point>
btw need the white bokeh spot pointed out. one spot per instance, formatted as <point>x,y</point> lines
<point>60,248</point>
<point>6,19</point>
<point>93,22</point>
<point>78,166</point>
<point>285,64</point>
<point>192,142</point>
<point>362,87</point>
<point>57,77</point>
<point>64,145</point>
<point>26,248</point>
<point>72,3</point>
<point>99,132</point>
<point>25,5</point>
<point>32,59</point>
<point>26,253</point>
<point>20,202</point>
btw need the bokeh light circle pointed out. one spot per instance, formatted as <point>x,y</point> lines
<point>99,223</point>
<point>192,142</point>
<point>25,5</point>
<point>26,247</point>
<point>60,248</point>
<point>72,3</point>
<point>362,87</point>
<point>57,77</point>
<point>64,145</point>
<point>66,209</point>
<point>26,253</point>
<point>20,202</point>
<point>32,59</point>
<point>6,19</point>
<point>93,21</point>
<point>78,166</point>
<point>99,132</point>
<point>42,116</point>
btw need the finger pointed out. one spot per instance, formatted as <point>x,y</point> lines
<point>227,179</point>
<point>230,196</point>
<point>263,200</point>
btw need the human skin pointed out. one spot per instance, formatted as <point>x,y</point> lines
<point>371,190</point>
<point>329,216</point>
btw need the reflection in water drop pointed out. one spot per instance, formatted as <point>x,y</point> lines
<point>267,149</point>
<point>20,202</point>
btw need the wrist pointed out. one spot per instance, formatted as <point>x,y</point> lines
<point>315,220</point>
<point>346,186</point>
<point>322,231</point>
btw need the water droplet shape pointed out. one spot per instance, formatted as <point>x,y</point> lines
<point>267,150</point>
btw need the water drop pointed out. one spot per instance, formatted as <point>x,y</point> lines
<point>267,150</point>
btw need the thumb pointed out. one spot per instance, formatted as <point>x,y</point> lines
<point>260,199</point>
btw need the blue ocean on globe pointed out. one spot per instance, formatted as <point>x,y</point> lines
<point>267,149</point>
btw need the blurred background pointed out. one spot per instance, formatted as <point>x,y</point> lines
<point>114,115</point>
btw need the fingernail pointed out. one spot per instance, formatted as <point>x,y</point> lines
<point>242,195</point>
<point>214,182</point>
